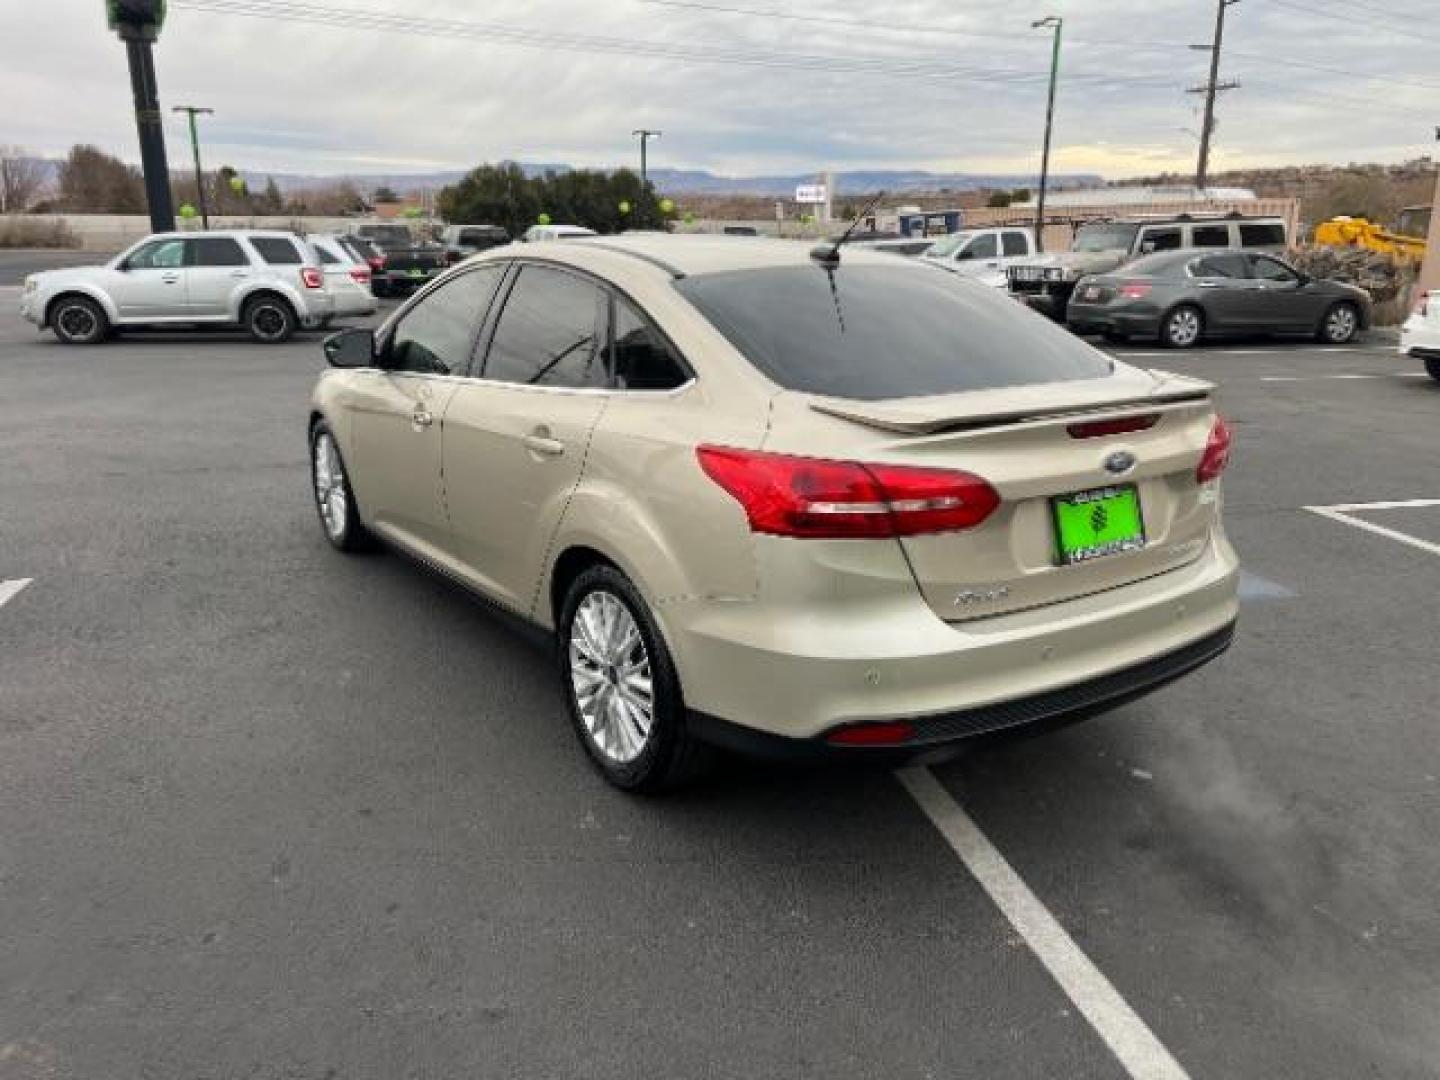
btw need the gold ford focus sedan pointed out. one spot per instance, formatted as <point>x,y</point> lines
<point>782,500</point>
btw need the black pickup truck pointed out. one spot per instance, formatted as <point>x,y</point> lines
<point>404,265</point>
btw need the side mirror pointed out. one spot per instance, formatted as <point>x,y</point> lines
<point>1303,279</point>
<point>1147,248</point>
<point>353,348</point>
<point>966,254</point>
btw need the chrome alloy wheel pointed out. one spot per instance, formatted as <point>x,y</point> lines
<point>330,494</point>
<point>1184,327</point>
<point>1340,324</point>
<point>610,677</point>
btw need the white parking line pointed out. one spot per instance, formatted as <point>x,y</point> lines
<point>1129,1039</point>
<point>1341,512</point>
<point>1322,378</point>
<point>11,589</point>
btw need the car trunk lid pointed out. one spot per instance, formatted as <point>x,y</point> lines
<point>1035,445</point>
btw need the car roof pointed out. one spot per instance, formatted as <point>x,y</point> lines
<point>692,254</point>
<point>201,234</point>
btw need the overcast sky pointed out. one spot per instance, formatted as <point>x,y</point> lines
<point>953,85</point>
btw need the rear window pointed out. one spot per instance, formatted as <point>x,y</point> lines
<point>1270,234</point>
<point>870,333</point>
<point>276,250</point>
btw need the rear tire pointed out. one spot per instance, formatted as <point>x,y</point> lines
<point>78,320</point>
<point>1116,337</point>
<point>621,688</point>
<point>270,320</point>
<point>1340,325</point>
<point>1432,367</point>
<point>1182,327</point>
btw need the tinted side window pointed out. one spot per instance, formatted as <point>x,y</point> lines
<point>1267,235</point>
<point>1160,240</point>
<point>1014,244</point>
<point>1226,266</point>
<point>982,247</point>
<point>549,332</point>
<point>640,358</point>
<point>1270,269</point>
<point>1210,236</point>
<point>216,251</point>
<point>277,251</point>
<point>875,332</point>
<point>161,255</point>
<point>437,335</point>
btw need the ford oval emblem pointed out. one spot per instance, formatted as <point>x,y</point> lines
<point>1120,462</point>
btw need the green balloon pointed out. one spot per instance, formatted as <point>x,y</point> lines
<point>624,206</point>
<point>543,219</point>
<point>689,218</point>
<point>237,184</point>
<point>667,206</point>
<point>187,211</point>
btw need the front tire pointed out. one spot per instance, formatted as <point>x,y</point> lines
<point>1432,367</point>
<point>1182,327</point>
<point>1341,324</point>
<point>334,499</point>
<point>78,320</point>
<point>269,320</point>
<point>621,687</point>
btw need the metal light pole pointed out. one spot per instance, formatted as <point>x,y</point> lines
<point>1057,23</point>
<point>194,111</point>
<point>138,23</point>
<point>644,135</point>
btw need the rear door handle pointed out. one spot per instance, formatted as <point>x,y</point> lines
<point>239,273</point>
<point>543,445</point>
<point>1208,284</point>
<point>169,279</point>
<point>421,418</point>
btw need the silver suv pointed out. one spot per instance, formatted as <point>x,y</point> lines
<point>268,283</point>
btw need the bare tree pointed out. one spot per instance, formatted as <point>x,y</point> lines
<point>93,182</point>
<point>22,178</point>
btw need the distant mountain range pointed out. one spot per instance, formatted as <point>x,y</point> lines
<point>700,182</point>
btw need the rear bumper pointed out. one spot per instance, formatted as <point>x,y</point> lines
<point>799,675</point>
<point>1102,318</point>
<point>1049,300</point>
<point>1419,339</point>
<point>948,731</point>
<point>353,303</point>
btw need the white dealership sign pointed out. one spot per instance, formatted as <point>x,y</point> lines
<point>811,193</point>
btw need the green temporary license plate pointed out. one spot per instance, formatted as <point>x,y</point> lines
<point>1091,524</point>
<point>417,272</point>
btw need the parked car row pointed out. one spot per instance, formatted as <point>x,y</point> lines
<point>1181,279</point>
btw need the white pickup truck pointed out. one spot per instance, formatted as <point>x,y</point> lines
<point>983,253</point>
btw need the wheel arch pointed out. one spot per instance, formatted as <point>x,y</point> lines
<point>268,288</point>
<point>85,292</point>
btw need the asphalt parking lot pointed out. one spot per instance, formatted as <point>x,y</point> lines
<point>267,811</point>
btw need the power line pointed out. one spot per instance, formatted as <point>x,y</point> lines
<point>358,18</point>
<point>1409,32</point>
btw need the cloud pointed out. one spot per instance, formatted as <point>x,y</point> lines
<point>297,97</point>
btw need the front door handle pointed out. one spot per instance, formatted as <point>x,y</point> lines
<point>169,279</point>
<point>543,445</point>
<point>1208,284</point>
<point>239,273</point>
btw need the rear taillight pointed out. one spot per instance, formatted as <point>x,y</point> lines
<point>360,275</point>
<point>312,278</point>
<point>878,733</point>
<point>1119,425</point>
<point>1134,290</point>
<point>817,499</point>
<point>377,263</point>
<point>1217,452</point>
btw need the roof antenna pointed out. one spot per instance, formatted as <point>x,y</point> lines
<point>830,253</point>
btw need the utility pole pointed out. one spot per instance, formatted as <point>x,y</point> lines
<point>138,23</point>
<point>1211,88</point>
<point>1057,23</point>
<point>644,135</point>
<point>193,111</point>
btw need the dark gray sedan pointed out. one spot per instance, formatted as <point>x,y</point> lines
<point>1183,297</point>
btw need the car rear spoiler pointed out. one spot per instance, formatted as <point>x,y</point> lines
<point>994,408</point>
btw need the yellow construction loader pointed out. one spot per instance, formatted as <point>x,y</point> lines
<point>1407,241</point>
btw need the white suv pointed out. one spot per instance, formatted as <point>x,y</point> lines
<point>269,283</point>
